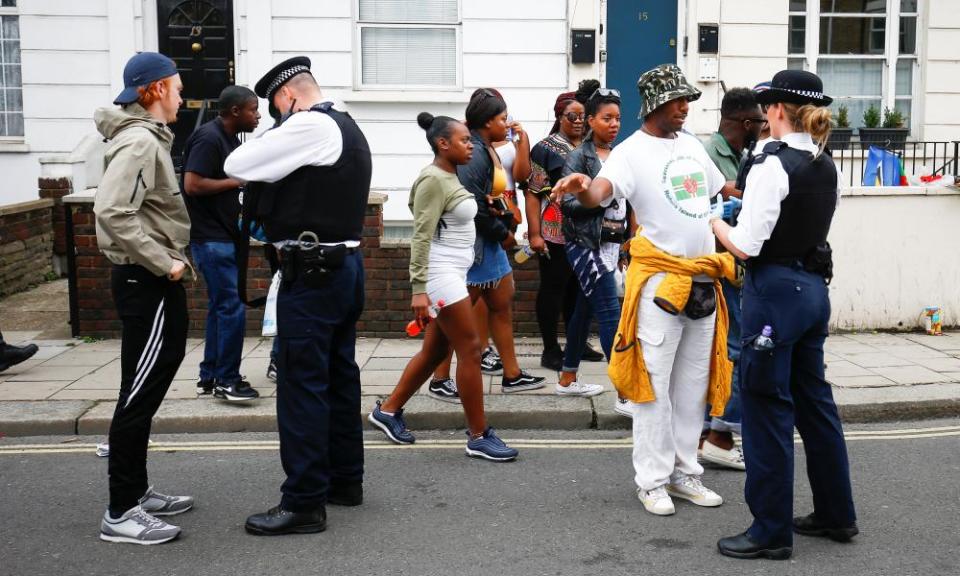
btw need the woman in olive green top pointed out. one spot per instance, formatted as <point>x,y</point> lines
<point>441,252</point>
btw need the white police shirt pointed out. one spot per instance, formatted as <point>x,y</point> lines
<point>767,186</point>
<point>304,139</point>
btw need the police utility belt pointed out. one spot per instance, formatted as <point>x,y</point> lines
<point>310,262</point>
<point>819,261</point>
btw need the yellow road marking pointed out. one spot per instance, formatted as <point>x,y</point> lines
<point>446,444</point>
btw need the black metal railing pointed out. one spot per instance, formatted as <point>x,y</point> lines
<point>938,157</point>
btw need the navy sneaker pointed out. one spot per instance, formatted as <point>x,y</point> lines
<point>237,392</point>
<point>205,387</point>
<point>490,447</point>
<point>444,389</point>
<point>522,382</point>
<point>393,426</point>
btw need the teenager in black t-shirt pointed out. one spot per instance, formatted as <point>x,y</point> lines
<point>213,201</point>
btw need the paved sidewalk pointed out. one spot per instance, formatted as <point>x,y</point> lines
<point>70,387</point>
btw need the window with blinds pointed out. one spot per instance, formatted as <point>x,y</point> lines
<point>11,83</point>
<point>408,44</point>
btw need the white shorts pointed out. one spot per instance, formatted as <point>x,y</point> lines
<point>447,273</point>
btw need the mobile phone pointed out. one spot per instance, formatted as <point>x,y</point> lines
<point>509,128</point>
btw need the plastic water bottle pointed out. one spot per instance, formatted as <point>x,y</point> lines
<point>415,327</point>
<point>765,340</point>
<point>523,254</point>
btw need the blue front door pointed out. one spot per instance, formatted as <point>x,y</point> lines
<point>640,35</point>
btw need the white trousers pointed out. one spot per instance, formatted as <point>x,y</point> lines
<point>666,432</point>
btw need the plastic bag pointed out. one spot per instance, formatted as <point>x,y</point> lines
<point>270,309</point>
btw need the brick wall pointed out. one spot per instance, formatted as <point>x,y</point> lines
<point>55,189</point>
<point>387,308</point>
<point>26,245</point>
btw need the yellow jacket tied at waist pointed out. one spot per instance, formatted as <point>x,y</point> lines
<point>627,370</point>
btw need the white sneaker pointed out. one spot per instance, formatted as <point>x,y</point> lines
<point>714,454</point>
<point>656,501</point>
<point>623,407</point>
<point>578,388</point>
<point>690,488</point>
<point>136,527</point>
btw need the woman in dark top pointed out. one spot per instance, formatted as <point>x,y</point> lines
<point>491,276</point>
<point>594,241</point>
<point>558,290</point>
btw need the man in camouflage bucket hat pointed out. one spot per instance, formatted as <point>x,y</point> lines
<point>662,84</point>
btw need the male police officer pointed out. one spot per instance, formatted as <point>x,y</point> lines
<point>318,164</point>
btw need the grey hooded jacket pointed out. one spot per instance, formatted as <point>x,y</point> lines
<point>140,214</point>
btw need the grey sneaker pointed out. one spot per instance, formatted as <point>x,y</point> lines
<point>136,527</point>
<point>157,504</point>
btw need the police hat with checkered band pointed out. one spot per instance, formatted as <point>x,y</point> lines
<point>795,87</point>
<point>273,80</point>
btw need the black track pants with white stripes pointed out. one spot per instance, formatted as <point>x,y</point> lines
<point>153,311</point>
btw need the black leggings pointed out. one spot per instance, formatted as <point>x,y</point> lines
<point>558,291</point>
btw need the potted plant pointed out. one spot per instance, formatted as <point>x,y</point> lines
<point>842,132</point>
<point>890,135</point>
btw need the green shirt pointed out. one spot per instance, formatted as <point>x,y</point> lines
<point>726,160</point>
<point>436,191</point>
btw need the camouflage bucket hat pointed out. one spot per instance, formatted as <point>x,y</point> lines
<point>662,84</point>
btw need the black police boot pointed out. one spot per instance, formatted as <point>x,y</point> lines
<point>810,525</point>
<point>13,355</point>
<point>742,546</point>
<point>345,494</point>
<point>277,521</point>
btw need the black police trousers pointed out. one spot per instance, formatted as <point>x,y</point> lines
<point>318,385</point>
<point>783,388</point>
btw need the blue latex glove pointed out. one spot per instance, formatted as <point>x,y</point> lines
<point>730,206</point>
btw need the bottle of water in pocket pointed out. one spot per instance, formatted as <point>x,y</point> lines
<point>765,340</point>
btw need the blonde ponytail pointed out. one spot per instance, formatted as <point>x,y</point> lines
<point>814,120</point>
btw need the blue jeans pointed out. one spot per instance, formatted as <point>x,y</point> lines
<point>226,315</point>
<point>603,302</point>
<point>730,421</point>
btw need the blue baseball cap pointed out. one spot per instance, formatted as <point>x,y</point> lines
<point>142,69</point>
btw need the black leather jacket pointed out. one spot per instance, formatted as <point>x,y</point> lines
<point>477,177</point>
<point>582,225</point>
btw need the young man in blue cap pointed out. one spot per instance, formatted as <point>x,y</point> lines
<point>143,228</point>
<point>318,165</point>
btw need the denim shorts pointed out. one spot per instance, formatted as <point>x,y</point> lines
<point>487,274</point>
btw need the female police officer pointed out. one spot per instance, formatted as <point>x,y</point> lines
<point>790,196</point>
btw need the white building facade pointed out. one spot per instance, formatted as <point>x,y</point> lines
<point>387,60</point>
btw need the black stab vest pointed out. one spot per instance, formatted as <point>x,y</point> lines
<point>806,212</point>
<point>329,201</point>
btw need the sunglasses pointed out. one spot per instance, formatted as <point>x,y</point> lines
<point>605,93</point>
<point>573,116</point>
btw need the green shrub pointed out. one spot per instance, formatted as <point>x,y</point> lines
<point>893,118</point>
<point>871,117</point>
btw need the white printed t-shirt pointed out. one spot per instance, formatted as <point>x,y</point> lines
<point>669,184</point>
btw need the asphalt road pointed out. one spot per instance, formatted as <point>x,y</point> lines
<point>566,507</point>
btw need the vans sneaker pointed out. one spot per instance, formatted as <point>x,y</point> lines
<point>578,388</point>
<point>445,390</point>
<point>490,362</point>
<point>522,382</point>
<point>157,504</point>
<point>690,488</point>
<point>136,526</point>
<point>656,501</point>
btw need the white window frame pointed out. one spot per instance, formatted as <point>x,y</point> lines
<point>15,11</point>
<point>890,56</point>
<point>358,25</point>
